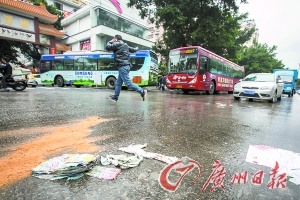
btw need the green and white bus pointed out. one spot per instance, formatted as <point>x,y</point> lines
<point>86,68</point>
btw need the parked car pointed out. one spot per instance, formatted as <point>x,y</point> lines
<point>261,86</point>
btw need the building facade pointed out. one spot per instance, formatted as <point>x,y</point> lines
<point>22,21</point>
<point>250,23</point>
<point>96,23</point>
<point>68,6</point>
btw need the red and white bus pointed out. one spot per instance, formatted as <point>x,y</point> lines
<point>197,69</point>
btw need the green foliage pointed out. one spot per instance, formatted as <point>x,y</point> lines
<point>162,69</point>
<point>8,50</point>
<point>53,10</point>
<point>212,24</point>
<point>259,58</point>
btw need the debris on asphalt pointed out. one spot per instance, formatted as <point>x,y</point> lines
<point>70,166</point>
<point>293,180</point>
<point>122,161</point>
<point>137,150</point>
<point>289,161</point>
<point>104,172</point>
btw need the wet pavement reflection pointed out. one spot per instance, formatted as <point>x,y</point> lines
<point>202,127</point>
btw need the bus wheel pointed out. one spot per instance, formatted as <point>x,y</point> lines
<point>124,88</point>
<point>230,92</point>
<point>111,82</point>
<point>185,91</point>
<point>211,88</point>
<point>236,98</point>
<point>78,86</point>
<point>59,81</point>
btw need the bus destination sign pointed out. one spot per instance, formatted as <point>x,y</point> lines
<point>188,51</point>
<point>184,51</point>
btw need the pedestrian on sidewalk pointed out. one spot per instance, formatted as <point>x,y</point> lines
<point>163,82</point>
<point>121,56</point>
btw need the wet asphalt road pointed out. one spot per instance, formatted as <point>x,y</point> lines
<point>202,127</point>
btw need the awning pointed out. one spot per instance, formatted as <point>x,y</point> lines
<point>50,30</point>
<point>61,47</point>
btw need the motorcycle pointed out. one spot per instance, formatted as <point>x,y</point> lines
<point>18,83</point>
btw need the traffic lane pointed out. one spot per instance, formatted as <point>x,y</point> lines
<point>198,126</point>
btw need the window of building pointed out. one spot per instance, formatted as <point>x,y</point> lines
<point>141,47</point>
<point>116,22</point>
<point>58,6</point>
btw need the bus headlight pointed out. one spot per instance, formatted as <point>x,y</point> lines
<point>193,81</point>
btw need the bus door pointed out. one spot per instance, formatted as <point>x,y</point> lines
<point>204,63</point>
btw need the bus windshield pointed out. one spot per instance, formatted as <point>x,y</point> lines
<point>183,61</point>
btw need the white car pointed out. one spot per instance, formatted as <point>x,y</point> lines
<point>34,80</point>
<point>261,86</point>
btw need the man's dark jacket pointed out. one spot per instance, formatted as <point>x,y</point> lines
<point>7,69</point>
<point>121,52</point>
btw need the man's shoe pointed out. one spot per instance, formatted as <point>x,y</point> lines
<point>144,95</point>
<point>111,97</point>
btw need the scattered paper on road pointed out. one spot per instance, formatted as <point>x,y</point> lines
<point>137,150</point>
<point>69,166</point>
<point>289,162</point>
<point>104,173</point>
<point>122,161</point>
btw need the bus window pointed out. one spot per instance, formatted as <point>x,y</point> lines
<point>203,64</point>
<point>153,55</point>
<point>45,66</point>
<point>78,64</point>
<point>90,64</point>
<point>58,65</point>
<point>107,64</point>
<point>137,63</point>
<point>230,71</point>
<point>69,64</point>
<point>220,68</point>
<point>213,66</point>
<point>225,69</point>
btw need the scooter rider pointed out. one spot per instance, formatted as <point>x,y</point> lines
<point>7,72</point>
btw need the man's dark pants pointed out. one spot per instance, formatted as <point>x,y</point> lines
<point>4,78</point>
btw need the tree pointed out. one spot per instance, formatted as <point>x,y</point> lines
<point>11,48</point>
<point>212,24</point>
<point>162,68</point>
<point>259,58</point>
<point>53,10</point>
